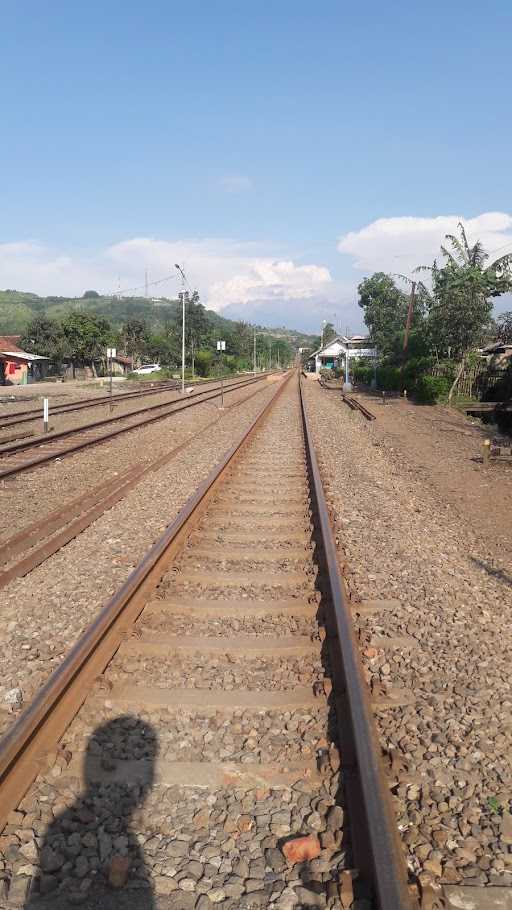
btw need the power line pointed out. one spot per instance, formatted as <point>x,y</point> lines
<point>142,287</point>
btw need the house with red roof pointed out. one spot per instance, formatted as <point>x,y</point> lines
<point>18,367</point>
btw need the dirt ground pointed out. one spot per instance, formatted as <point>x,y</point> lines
<point>443,448</point>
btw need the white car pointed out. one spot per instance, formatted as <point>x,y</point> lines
<point>148,368</point>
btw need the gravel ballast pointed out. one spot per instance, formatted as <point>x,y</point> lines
<point>451,748</point>
<point>59,598</point>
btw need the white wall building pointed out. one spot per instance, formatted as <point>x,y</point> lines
<point>333,353</point>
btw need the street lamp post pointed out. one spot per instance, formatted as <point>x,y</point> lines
<point>254,349</point>
<point>183,284</point>
<point>347,385</point>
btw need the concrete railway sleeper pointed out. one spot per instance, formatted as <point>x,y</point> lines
<point>54,445</point>
<point>209,739</point>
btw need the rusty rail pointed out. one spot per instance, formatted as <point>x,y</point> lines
<point>43,722</point>
<point>157,387</point>
<point>376,843</point>
<point>353,403</point>
<point>171,408</point>
<point>40,540</point>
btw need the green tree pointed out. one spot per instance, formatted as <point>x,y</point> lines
<point>90,294</point>
<point>163,347</point>
<point>197,325</point>
<point>44,336</point>
<point>203,362</point>
<point>385,310</point>
<point>134,334</point>
<point>460,305</point>
<point>86,338</point>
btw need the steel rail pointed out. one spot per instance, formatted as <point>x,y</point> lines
<point>376,843</point>
<point>159,387</point>
<point>10,420</point>
<point>41,725</point>
<point>353,403</point>
<point>39,728</point>
<point>173,407</point>
<point>41,540</point>
<point>62,434</point>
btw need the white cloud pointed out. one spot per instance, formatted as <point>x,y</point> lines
<point>224,271</point>
<point>401,244</point>
<point>236,183</point>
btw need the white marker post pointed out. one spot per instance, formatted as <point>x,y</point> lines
<point>111,353</point>
<point>45,415</point>
<point>221,346</point>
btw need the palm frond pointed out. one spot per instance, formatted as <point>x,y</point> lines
<point>403,277</point>
<point>464,239</point>
<point>502,262</point>
<point>446,253</point>
<point>477,255</point>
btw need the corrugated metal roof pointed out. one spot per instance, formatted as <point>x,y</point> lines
<point>21,355</point>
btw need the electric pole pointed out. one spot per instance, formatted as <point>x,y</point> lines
<point>183,292</point>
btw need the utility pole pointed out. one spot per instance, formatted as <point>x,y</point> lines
<point>146,284</point>
<point>183,285</point>
<point>254,362</point>
<point>347,385</point>
<point>408,322</point>
<point>409,316</point>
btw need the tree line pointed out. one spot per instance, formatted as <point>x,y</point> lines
<point>439,323</point>
<point>82,338</point>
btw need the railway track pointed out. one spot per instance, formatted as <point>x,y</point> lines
<point>149,389</point>
<point>17,456</point>
<point>9,420</point>
<point>32,546</point>
<point>190,743</point>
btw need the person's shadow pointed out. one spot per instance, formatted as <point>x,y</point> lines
<point>90,856</point>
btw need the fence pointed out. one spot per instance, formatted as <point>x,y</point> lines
<point>477,380</point>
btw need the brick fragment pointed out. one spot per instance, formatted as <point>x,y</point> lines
<point>301,849</point>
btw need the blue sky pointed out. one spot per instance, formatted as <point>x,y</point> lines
<point>280,150</point>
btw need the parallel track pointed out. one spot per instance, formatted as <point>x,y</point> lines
<point>16,458</point>
<point>156,388</point>
<point>32,546</point>
<point>253,543</point>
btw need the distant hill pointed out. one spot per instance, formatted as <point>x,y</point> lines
<point>18,308</point>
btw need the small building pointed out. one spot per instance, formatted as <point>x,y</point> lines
<point>18,367</point>
<point>498,355</point>
<point>334,353</point>
<point>122,364</point>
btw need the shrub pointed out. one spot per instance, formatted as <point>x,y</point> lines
<point>414,369</point>
<point>362,371</point>
<point>388,378</point>
<point>430,389</point>
<point>203,362</point>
